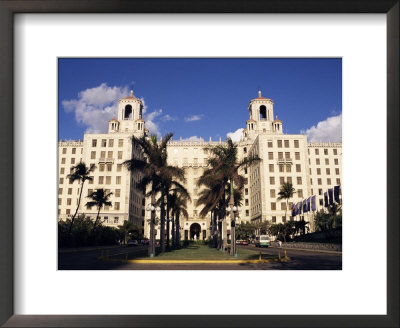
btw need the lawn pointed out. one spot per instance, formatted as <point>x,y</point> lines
<point>196,252</point>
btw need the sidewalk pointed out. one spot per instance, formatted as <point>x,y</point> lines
<point>87,248</point>
<point>306,249</point>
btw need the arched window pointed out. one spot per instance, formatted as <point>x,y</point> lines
<point>263,112</point>
<point>127,112</point>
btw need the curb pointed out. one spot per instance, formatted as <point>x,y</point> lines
<point>195,261</point>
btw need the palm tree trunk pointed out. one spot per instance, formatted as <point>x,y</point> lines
<point>77,208</point>
<point>219,231</point>
<point>167,224</point>
<point>172,231</point>
<point>177,231</point>
<point>162,228</point>
<point>151,250</point>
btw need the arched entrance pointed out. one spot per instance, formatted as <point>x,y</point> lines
<point>195,230</point>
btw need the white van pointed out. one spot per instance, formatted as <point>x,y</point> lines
<point>262,241</point>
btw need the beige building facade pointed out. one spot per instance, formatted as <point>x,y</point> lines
<point>312,168</point>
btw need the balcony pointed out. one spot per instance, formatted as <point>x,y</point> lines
<point>284,161</point>
<point>106,160</point>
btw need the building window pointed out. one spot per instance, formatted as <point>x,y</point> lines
<point>320,192</point>
<point>119,167</point>
<point>298,168</point>
<point>271,167</point>
<point>311,183</point>
<point>283,219</point>
<point>338,181</point>
<point>91,180</point>
<point>288,168</point>
<point>281,180</point>
<point>286,142</point>
<point>299,180</point>
<point>116,206</point>
<point>109,167</point>
<point>60,190</point>
<point>246,191</point>
<point>335,152</point>
<point>111,143</point>
<point>337,171</point>
<point>90,191</point>
<point>101,180</point>
<point>296,155</point>
<point>321,202</point>
<point>270,155</point>
<point>279,143</point>
<point>296,144</point>
<point>280,167</point>
<point>280,155</point>
<point>120,142</point>
<point>272,193</point>
<point>64,151</point>
<point>68,201</point>
<point>92,155</point>
<point>69,191</point>
<point>110,154</point>
<point>316,151</point>
<point>245,171</point>
<point>273,206</point>
<point>68,211</point>
<point>120,155</point>
<point>272,180</point>
<point>116,219</point>
<point>101,167</point>
<point>63,160</point>
<point>108,180</point>
<point>274,219</point>
<point>61,180</point>
<point>326,161</point>
<point>118,180</point>
<point>103,143</point>
<point>106,219</point>
<point>328,171</point>
<point>336,161</point>
<point>59,201</point>
<point>103,154</point>
<point>287,155</point>
<point>62,170</point>
<point>300,193</point>
<point>318,171</point>
<point>73,150</point>
<point>328,181</point>
<point>94,143</point>
<point>247,213</point>
<point>319,181</point>
<point>269,143</point>
<point>325,151</point>
<point>289,179</point>
<point>317,161</point>
<point>283,206</point>
<point>245,150</point>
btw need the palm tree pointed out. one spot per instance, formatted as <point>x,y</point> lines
<point>178,207</point>
<point>224,170</point>
<point>99,198</point>
<point>81,173</point>
<point>154,169</point>
<point>286,192</point>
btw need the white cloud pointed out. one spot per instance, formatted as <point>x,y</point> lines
<point>150,121</point>
<point>168,117</point>
<point>193,118</point>
<point>95,106</point>
<point>328,130</point>
<point>235,136</point>
<point>193,138</point>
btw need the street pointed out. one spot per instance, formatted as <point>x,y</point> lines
<point>300,260</point>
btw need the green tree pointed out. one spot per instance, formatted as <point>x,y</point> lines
<point>286,192</point>
<point>81,173</point>
<point>178,208</point>
<point>130,229</point>
<point>154,168</point>
<point>224,171</point>
<point>99,198</point>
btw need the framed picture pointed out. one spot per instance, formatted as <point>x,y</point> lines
<point>226,304</point>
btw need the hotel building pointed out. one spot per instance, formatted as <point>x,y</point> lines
<point>312,168</point>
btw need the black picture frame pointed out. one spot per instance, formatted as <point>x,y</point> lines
<point>10,7</point>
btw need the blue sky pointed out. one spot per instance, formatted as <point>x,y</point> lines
<point>201,97</point>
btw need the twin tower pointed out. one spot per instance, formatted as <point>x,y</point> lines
<point>261,113</point>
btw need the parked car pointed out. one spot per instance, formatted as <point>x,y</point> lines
<point>244,242</point>
<point>132,242</point>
